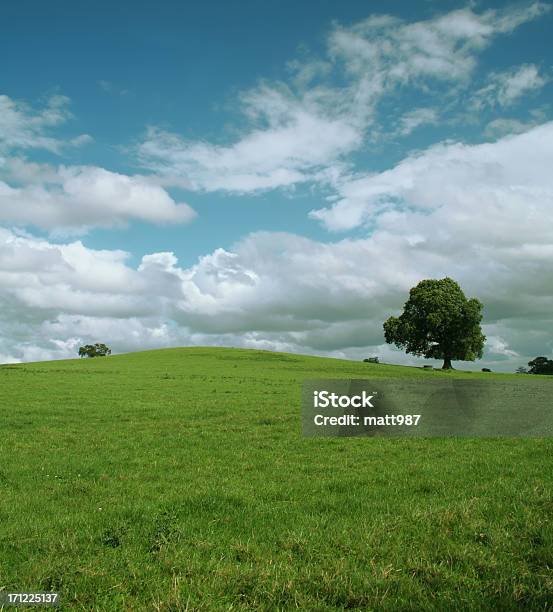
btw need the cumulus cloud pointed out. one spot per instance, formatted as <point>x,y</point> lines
<point>75,198</point>
<point>276,291</point>
<point>492,182</point>
<point>68,198</point>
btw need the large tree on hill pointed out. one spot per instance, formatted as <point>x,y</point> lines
<point>94,350</point>
<point>438,322</point>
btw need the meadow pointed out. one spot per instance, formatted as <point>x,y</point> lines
<point>179,480</point>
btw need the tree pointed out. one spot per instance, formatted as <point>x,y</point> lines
<point>540,365</point>
<point>94,350</point>
<point>438,322</point>
<point>522,370</point>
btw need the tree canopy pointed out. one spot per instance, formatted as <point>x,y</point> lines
<point>438,322</point>
<point>94,350</point>
<point>541,365</point>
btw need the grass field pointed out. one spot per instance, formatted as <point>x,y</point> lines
<point>179,479</point>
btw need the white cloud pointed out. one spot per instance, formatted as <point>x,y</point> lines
<point>491,182</point>
<point>498,346</point>
<point>508,19</point>
<point>65,199</point>
<point>22,127</point>
<point>505,126</point>
<point>443,47</point>
<point>505,88</point>
<point>518,82</point>
<point>295,141</point>
<point>415,118</point>
<point>75,198</point>
<point>295,135</point>
<point>69,198</point>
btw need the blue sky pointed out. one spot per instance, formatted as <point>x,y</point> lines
<point>277,150</point>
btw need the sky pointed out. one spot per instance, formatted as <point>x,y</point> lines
<point>272,174</point>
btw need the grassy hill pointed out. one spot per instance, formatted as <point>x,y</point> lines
<point>179,479</point>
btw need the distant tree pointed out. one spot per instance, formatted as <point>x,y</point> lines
<point>438,322</point>
<point>522,370</point>
<point>94,350</point>
<point>540,365</point>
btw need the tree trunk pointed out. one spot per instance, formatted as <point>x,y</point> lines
<point>447,364</point>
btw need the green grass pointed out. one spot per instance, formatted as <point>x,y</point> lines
<point>179,479</point>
